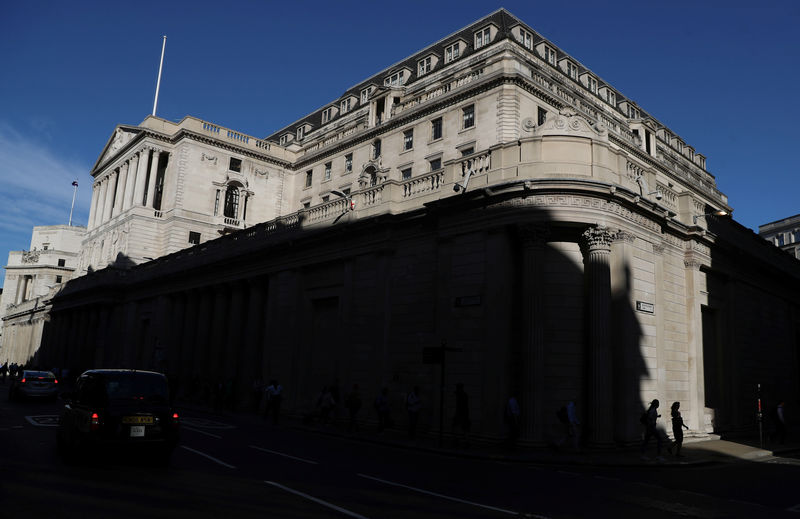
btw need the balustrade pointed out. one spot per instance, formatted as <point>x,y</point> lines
<point>424,184</point>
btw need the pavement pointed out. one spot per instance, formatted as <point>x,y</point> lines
<point>698,450</point>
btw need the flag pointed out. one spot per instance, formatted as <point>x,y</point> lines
<point>75,183</point>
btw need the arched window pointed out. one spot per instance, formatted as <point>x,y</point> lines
<point>232,201</point>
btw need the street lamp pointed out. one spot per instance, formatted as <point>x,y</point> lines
<point>721,212</point>
<point>351,205</point>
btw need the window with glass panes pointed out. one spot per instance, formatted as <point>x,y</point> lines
<point>468,116</point>
<point>408,139</point>
<point>406,173</point>
<point>526,38</point>
<point>348,163</point>
<point>327,171</point>
<point>436,164</point>
<point>424,66</point>
<point>482,37</point>
<point>309,176</point>
<point>436,129</point>
<point>451,52</point>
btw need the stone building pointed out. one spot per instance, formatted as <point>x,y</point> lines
<point>32,277</point>
<point>490,193</point>
<point>784,234</point>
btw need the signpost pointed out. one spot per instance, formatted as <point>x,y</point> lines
<point>436,355</point>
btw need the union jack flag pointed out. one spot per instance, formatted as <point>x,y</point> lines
<point>75,183</point>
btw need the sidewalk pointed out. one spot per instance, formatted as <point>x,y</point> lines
<point>696,451</point>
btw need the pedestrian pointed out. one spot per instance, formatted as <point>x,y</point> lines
<point>413,406</point>
<point>4,371</point>
<point>649,419</point>
<point>353,404</point>
<point>461,422</point>
<point>512,417</point>
<point>274,397</point>
<point>383,409</point>
<point>574,425</point>
<point>325,404</point>
<point>677,428</point>
<point>780,424</point>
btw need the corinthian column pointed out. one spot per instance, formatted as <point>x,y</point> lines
<point>112,185</point>
<point>122,178</point>
<point>130,183</point>
<point>93,210</point>
<point>101,202</point>
<point>534,241</point>
<point>599,409</point>
<point>141,177</point>
<point>151,182</point>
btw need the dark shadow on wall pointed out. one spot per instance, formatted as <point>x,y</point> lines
<point>358,302</point>
<point>751,332</point>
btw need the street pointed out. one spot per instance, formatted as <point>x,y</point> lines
<point>238,465</point>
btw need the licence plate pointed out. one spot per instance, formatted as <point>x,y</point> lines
<point>137,430</point>
<point>136,420</point>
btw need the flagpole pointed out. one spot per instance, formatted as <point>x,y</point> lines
<point>74,192</point>
<point>160,66</point>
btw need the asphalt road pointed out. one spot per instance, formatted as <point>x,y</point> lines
<point>239,466</point>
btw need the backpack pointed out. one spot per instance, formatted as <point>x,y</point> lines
<point>643,419</point>
<point>562,414</point>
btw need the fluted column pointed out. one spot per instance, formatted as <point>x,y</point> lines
<point>597,252</point>
<point>101,202</point>
<point>151,182</point>
<point>534,241</point>
<point>112,184</point>
<point>141,177</point>
<point>93,210</point>
<point>130,182</point>
<point>121,183</point>
<point>696,414</point>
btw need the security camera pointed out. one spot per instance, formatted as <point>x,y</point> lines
<point>659,196</point>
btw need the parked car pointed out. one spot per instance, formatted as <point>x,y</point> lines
<point>119,409</point>
<point>33,384</point>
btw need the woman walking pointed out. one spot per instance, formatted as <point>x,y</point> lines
<point>677,428</point>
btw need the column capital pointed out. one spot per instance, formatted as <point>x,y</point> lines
<point>659,248</point>
<point>533,235</point>
<point>598,238</point>
<point>625,236</point>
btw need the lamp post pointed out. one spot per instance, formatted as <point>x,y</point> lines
<point>721,212</point>
<point>351,205</point>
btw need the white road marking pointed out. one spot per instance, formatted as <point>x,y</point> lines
<point>205,423</point>
<point>316,500</point>
<point>284,455</point>
<point>212,458</point>
<point>795,508</point>
<point>444,496</point>
<point>47,420</point>
<point>202,432</point>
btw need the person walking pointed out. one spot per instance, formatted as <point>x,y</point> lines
<point>677,428</point>
<point>274,396</point>
<point>574,425</point>
<point>413,406</point>
<point>461,422</point>
<point>512,415</point>
<point>353,404</point>
<point>649,421</point>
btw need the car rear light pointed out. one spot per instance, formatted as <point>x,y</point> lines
<point>22,381</point>
<point>175,419</point>
<point>55,381</point>
<point>95,425</point>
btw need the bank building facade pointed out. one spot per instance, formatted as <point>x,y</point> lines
<point>488,193</point>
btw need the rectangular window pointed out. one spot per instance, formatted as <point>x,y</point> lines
<point>467,151</point>
<point>346,191</point>
<point>436,164</point>
<point>309,177</point>
<point>549,55</point>
<point>284,139</point>
<point>344,106</point>
<point>591,84</point>
<point>58,279</point>
<point>306,205</point>
<point>611,98</point>
<point>348,163</point>
<point>525,38</point>
<point>327,171</point>
<point>572,70</point>
<point>365,94</point>
<point>780,240</point>
<point>327,115</point>
<point>62,262</point>
<point>376,149</point>
<point>436,129</point>
<point>395,79</point>
<point>235,165</point>
<point>301,133</point>
<point>326,198</point>
<point>216,204</point>
<point>797,236</point>
<point>451,53</point>
<point>482,37</point>
<point>406,173</point>
<point>541,116</point>
<point>468,116</point>
<point>194,237</point>
<point>408,139</point>
<point>424,66</point>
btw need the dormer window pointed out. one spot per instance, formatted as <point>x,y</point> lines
<point>424,66</point>
<point>300,133</point>
<point>548,53</point>
<point>327,115</point>
<point>483,37</point>
<point>633,112</point>
<point>284,139</point>
<point>525,38</point>
<point>591,84</point>
<point>609,96</point>
<point>345,105</point>
<point>365,94</point>
<point>395,79</point>
<point>571,69</point>
<point>452,52</point>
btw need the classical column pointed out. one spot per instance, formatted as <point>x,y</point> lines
<point>101,202</point>
<point>130,184</point>
<point>141,177</point>
<point>534,242</point>
<point>599,409</point>
<point>109,203</point>
<point>251,359</point>
<point>121,183</point>
<point>696,414</point>
<point>93,210</point>
<point>151,182</point>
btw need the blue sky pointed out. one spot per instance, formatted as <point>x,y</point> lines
<point>723,75</point>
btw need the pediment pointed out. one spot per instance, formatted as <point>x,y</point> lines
<point>121,136</point>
